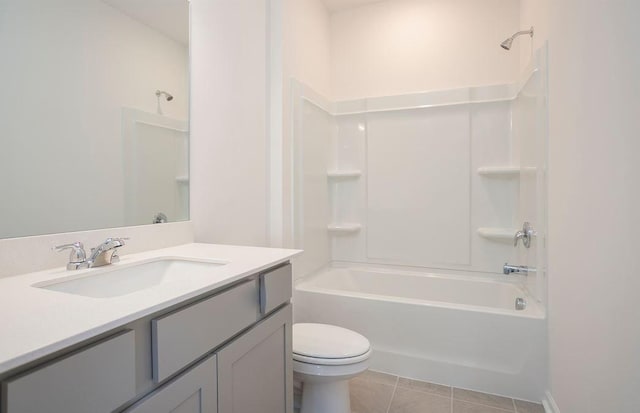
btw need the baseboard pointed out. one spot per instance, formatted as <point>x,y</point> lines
<point>549,404</point>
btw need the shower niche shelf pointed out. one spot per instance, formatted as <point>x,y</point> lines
<point>504,171</point>
<point>497,234</point>
<point>345,228</point>
<point>344,174</point>
<point>499,171</point>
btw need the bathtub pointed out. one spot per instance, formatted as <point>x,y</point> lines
<point>458,330</point>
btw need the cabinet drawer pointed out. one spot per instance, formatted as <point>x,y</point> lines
<point>181,337</point>
<point>275,288</point>
<point>97,379</point>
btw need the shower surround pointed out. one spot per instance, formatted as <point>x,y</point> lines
<point>437,184</point>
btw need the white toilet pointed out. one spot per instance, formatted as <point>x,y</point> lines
<point>325,357</point>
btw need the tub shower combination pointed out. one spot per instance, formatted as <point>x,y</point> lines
<point>409,205</point>
<point>463,331</point>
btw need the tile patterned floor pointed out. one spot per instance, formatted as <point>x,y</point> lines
<point>375,392</point>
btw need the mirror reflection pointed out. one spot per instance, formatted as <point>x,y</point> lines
<point>93,114</point>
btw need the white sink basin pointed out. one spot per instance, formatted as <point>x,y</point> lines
<point>114,281</point>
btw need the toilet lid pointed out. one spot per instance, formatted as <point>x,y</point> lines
<point>327,341</point>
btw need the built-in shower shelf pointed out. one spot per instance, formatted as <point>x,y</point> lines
<point>505,171</point>
<point>498,171</point>
<point>347,228</point>
<point>497,234</point>
<point>344,174</point>
<point>182,179</point>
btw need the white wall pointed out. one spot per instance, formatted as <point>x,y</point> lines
<point>594,199</point>
<point>229,170</point>
<point>405,46</point>
<point>533,13</point>
<point>69,69</point>
<point>307,38</point>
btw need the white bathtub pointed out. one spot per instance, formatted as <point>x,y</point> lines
<point>462,331</point>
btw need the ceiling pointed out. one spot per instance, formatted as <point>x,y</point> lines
<point>335,5</point>
<point>170,17</point>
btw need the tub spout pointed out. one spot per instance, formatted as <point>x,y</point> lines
<point>518,269</point>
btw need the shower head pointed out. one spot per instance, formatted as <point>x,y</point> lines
<point>506,45</point>
<point>168,96</point>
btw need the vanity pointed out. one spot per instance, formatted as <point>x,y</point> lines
<point>215,340</point>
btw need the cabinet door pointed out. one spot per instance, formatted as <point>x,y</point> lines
<point>255,370</point>
<point>193,392</point>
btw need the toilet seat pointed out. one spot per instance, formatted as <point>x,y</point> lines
<point>331,361</point>
<point>328,345</point>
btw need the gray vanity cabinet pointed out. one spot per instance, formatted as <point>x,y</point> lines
<point>193,392</point>
<point>224,352</point>
<point>251,374</point>
<point>97,378</point>
<point>254,370</point>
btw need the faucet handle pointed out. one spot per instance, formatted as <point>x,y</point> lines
<point>77,255</point>
<point>112,242</point>
<point>119,242</point>
<point>526,234</point>
<point>517,237</point>
<point>108,244</point>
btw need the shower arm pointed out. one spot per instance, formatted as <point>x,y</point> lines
<point>521,32</point>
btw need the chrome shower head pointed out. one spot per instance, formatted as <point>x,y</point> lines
<point>506,45</point>
<point>168,96</point>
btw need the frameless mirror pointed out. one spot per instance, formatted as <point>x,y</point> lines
<point>93,114</point>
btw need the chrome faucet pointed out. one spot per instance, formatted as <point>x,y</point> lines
<point>525,234</point>
<point>77,257</point>
<point>104,254</point>
<point>518,269</point>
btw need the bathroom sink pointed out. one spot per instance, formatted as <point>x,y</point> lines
<point>114,281</point>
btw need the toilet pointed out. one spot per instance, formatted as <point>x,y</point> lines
<point>325,357</point>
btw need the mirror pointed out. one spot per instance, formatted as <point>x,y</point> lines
<point>93,114</point>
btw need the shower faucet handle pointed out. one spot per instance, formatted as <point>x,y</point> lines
<point>525,234</point>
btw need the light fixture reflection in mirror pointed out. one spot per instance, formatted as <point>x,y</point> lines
<point>83,146</point>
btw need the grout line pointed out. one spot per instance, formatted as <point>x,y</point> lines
<point>515,408</point>
<point>500,409</point>
<point>488,405</point>
<point>393,394</point>
<point>451,399</point>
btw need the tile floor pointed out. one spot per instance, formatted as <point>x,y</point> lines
<point>374,392</point>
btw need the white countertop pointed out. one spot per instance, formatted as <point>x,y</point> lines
<point>36,322</point>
